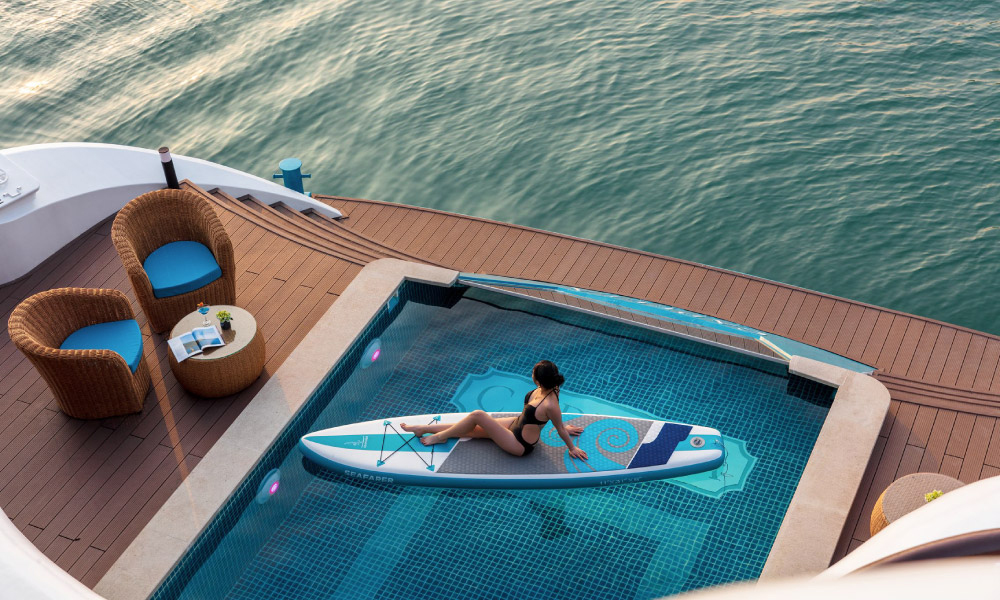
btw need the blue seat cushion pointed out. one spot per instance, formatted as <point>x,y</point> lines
<point>180,267</point>
<point>122,337</point>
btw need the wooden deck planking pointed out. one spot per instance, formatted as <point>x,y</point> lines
<point>83,489</point>
<point>617,269</point>
<point>902,351</point>
<point>778,307</point>
<point>881,334</point>
<point>474,251</point>
<point>760,305</point>
<point>975,454</point>
<point>702,295</point>
<point>803,317</point>
<point>960,434</point>
<point>732,298</point>
<point>532,258</point>
<point>510,243</point>
<point>910,462</point>
<point>571,276</point>
<point>649,277</point>
<point>787,314</point>
<point>836,325</point>
<point>746,303</point>
<point>939,354</point>
<point>596,277</point>
<point>929,337</point>
<point>922,425</point>
<point>824,310</point>
<point>853,319</point>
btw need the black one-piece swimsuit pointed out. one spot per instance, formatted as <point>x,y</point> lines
<point>527,417</point>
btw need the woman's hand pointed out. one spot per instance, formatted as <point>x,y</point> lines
<point>577,452</point>
<point>574,430</point>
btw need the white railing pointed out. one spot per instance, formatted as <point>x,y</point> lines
<point>68,188</point>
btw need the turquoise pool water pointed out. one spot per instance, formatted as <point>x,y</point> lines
<point>323,536</point>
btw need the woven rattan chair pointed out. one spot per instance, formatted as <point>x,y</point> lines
<point>87,384</point>
<point>156,219</point>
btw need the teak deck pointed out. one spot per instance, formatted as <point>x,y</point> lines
<point>82,490</point>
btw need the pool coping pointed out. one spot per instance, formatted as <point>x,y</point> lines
<point>812,525</point>
<point>193,505</point>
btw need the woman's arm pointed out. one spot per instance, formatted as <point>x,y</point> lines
<point>557,422</point>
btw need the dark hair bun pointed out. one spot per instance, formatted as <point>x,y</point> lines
<point>547,374</point>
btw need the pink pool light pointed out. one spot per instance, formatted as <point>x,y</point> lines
<point>371,353</point>
<point>268,486</point>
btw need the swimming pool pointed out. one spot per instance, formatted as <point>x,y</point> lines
<point>320,535</point>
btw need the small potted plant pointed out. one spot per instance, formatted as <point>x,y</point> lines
<point>933,495</point>
<point>225,318</point>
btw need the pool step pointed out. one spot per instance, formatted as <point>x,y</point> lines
<point>295,222</point>
<point>310,228</point>
<point>318,226</point>
<point>945,397</point>
<point>227,203</point>
<point>333,227</point>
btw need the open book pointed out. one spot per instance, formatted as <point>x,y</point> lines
<point>194,342</point>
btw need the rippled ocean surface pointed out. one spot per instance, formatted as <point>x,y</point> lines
<point>847,147</point>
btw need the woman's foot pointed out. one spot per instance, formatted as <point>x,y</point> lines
<point>417,430</point>
<point>433,439</point>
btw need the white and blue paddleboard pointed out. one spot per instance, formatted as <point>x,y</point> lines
<point>619,450</point>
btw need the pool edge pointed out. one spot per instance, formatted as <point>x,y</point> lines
<point>810,530</point>
<point>168,535</point>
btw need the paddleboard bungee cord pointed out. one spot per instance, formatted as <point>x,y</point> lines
<point>406,442</point>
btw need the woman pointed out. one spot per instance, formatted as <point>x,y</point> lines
<point>516,435</point>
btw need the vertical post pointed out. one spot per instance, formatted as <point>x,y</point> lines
<point>291,174</point>
<point>168,169</point>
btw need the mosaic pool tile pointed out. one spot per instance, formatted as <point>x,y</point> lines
<point>323,536</point>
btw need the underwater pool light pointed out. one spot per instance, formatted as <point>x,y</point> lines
<point>268,486</point>
<point>372,352</point>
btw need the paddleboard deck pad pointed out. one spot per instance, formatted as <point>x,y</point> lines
<point>619,450</point>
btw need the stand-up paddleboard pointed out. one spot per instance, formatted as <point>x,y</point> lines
<point>619,450</point>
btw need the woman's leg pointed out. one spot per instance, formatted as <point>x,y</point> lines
<point>476,424</point>
<point>420,430</point>
<point>477,432</point>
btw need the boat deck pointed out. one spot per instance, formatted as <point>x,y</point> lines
<point>82,490</point>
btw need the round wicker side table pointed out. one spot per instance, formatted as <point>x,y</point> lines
<point>906,494</point>
<point>227,369</point>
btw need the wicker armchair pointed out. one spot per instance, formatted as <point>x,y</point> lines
<point>158,218</point>
<point>87,384</point>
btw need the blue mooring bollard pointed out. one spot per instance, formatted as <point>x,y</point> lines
<point>291,174</point>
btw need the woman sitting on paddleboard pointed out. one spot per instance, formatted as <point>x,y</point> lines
<point>516,435</point>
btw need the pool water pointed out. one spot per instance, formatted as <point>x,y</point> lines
<point>324,536</point>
